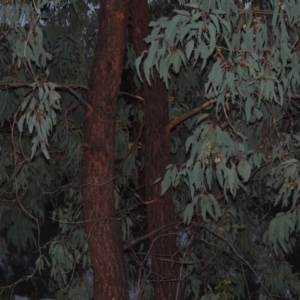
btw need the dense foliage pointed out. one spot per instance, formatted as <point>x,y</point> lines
<point>232,71</point>
<point>46,51</point>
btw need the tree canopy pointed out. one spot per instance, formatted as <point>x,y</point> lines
<point>206,107</point>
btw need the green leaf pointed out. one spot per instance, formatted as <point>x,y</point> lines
<point>189,49</point>
<point>202,117</point>
<point>182,12</point>
<point>209,176</point>
<point>217,208</point>
<point>248,107</point>
<point>148,64</point>
<point>188,213</point>
<point>189,142</point>
<point>166,183</point>
<point>258,113</point>
<point>171,29</point>
<point>44,150</point>
<point>244,170</point>
<point>219,173</point>
<point>137,64</point>
<point>226,24</point>
<point>213,38</point>
<point>21,122</point>
<point>176,62</point>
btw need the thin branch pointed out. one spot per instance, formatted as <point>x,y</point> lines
<point>297,105</point>
<point>78,97</point>
<point>69,87</point>
<point>132,95</point>
<point>240,257</point>
<point>188,114</point>
<point>132,243</point>
<point>30,84</point>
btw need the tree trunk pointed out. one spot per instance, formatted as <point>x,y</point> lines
<point>164,268</point>
<point>104,238</point>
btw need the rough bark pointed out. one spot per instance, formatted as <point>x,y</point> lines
<point>104,239</point>
<point>165,270</point>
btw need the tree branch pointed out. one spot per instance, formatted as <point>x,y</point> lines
<point>39,83</point>
<point>164,228</point>
<point>188,114</point>
<point>69,87</point>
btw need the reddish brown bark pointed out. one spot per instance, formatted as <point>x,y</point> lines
<point>105,244</point>
<point>164,268</point>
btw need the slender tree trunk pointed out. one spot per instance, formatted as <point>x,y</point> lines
<point>104,238</point>
<point>165,270</point>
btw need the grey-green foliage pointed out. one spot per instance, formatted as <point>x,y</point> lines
<point>45,58</point>
<point>46,54</point>
<point>234,170</point>
<point>238,186</point>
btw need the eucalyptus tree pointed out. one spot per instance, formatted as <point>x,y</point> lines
<point>49,114</point>
<point>231,76</point>
<point>234,68</point>
<point>159,208</point>
<point>104,239</point>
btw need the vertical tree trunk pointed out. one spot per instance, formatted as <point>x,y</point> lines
<point>104,238</point>
<point>165,270</point>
